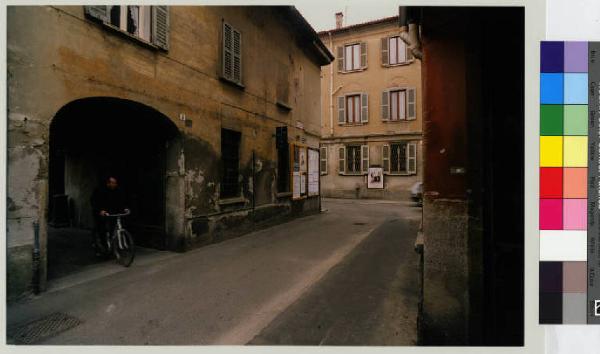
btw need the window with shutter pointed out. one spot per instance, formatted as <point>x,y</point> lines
<point>150,24</point>
<point>341,110</point>
<point>385,107</point>
<point>412,158</point>
<point>384,51</point>
<point>340,57</point>
<point>353,159</point>
<point>363,55</point>
<point>365,158</point>
<point>386,157</point>
<point>352,57</point>
<point>412,103</point>
<point>232,54</point>
<point>323,160</point>
<point>160,26</point>
<point>364,113</point>
<point>342,160</point>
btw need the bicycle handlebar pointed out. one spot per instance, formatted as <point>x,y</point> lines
<point>118,215</point>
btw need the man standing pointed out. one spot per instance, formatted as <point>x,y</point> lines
<point>107,199</point>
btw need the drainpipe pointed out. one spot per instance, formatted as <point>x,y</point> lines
<point>411,34</point>
<point>331,88</point>
<point>36,258</point>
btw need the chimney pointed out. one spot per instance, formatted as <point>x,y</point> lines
<point>339,20</point>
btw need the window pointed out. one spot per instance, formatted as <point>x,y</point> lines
<point>398,104</point>
<point>400,158</point>
<point>147,23</point>
<point>394,51</point>
<point>283,168</point>
<point>230,157</point>
<point>232,54</point>
<point>353,108</point>
<point>324,160</point>
<point>354,159</point>
<point>352,57</point>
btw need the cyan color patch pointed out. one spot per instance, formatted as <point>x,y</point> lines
<point>576,85</point>
<point>551,88</point>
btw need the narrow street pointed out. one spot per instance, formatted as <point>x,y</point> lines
<point>347,276</point>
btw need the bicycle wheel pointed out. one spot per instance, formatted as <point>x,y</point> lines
<point>125,250</point>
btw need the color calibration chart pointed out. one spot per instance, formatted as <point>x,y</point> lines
<point>569,228</point>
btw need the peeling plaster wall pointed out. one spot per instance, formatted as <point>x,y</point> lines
<point>56,56</point>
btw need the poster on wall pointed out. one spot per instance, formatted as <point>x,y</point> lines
<point>375,178</point>
<point>302,159</point>
<point>313,172</point>
<point>296,190</point>
<point>303,184</point>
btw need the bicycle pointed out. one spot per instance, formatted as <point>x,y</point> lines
<point>120,242</point>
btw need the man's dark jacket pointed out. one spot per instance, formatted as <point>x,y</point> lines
<point>111,200</point>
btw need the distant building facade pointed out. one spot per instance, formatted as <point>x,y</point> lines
<point>209,117</point>
<point>371,113</point>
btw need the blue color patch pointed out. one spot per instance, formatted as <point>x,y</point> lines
<point>551,88</point>
<point>576,88</point>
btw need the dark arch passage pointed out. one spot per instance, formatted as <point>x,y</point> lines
<point>94,137</point>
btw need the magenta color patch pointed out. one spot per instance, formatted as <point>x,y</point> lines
<point>575,214</point>
<point>551,214</point>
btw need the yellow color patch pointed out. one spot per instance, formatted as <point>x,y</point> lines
<point>551,151</point>
<point>575,151</point>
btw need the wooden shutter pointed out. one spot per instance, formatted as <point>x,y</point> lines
<point>364,104</point>
<point>364,158</point>
<point>411,101</point>
<point>342,160</point>
<point>363,55</point>
<point>411,163</point>
<point>386,157</point>
<point>97,12</point>
<point>160,26</point>
<point>385,58</point>
<point>227,70</point>
<point>323,158</point>
<point>341,109</point>
<point>237,56</point>
<point>340,58</point>
<point>385,105</point>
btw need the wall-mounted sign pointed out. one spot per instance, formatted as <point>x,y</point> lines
<point>375,178</point>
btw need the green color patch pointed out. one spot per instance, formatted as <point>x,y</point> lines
<point>576,122</point>
<point>551,119</point>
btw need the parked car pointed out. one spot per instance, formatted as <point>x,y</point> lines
<point>416,193</point>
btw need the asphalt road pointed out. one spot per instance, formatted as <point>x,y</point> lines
<point>346,276</point>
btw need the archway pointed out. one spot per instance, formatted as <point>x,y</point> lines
<point>94,137</point>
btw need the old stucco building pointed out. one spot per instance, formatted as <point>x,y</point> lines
<point>371,112</point>
<point>187,105</point>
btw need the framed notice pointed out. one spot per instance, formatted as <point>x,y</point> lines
<point>313,172</point>
<point>375,178</point>
<point>299,159</point>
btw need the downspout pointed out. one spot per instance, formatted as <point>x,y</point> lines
<point>331,88</point>
<point>410,35</point>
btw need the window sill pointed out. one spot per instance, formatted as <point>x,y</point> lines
<point>352,124</point>
<point>399,121</point>
<point>399,64</point>
<point>283,106</point>
<point>283,194</point>
<point>353,71</point>
<point>353,174</point>
<point>399,174</point>
<point>229,201</point>
<point>130,36</point>
<point>232,83</point>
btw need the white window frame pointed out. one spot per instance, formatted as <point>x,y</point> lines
<point>389,108</point>
<point>144,21</point>
<point>355,55</point>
